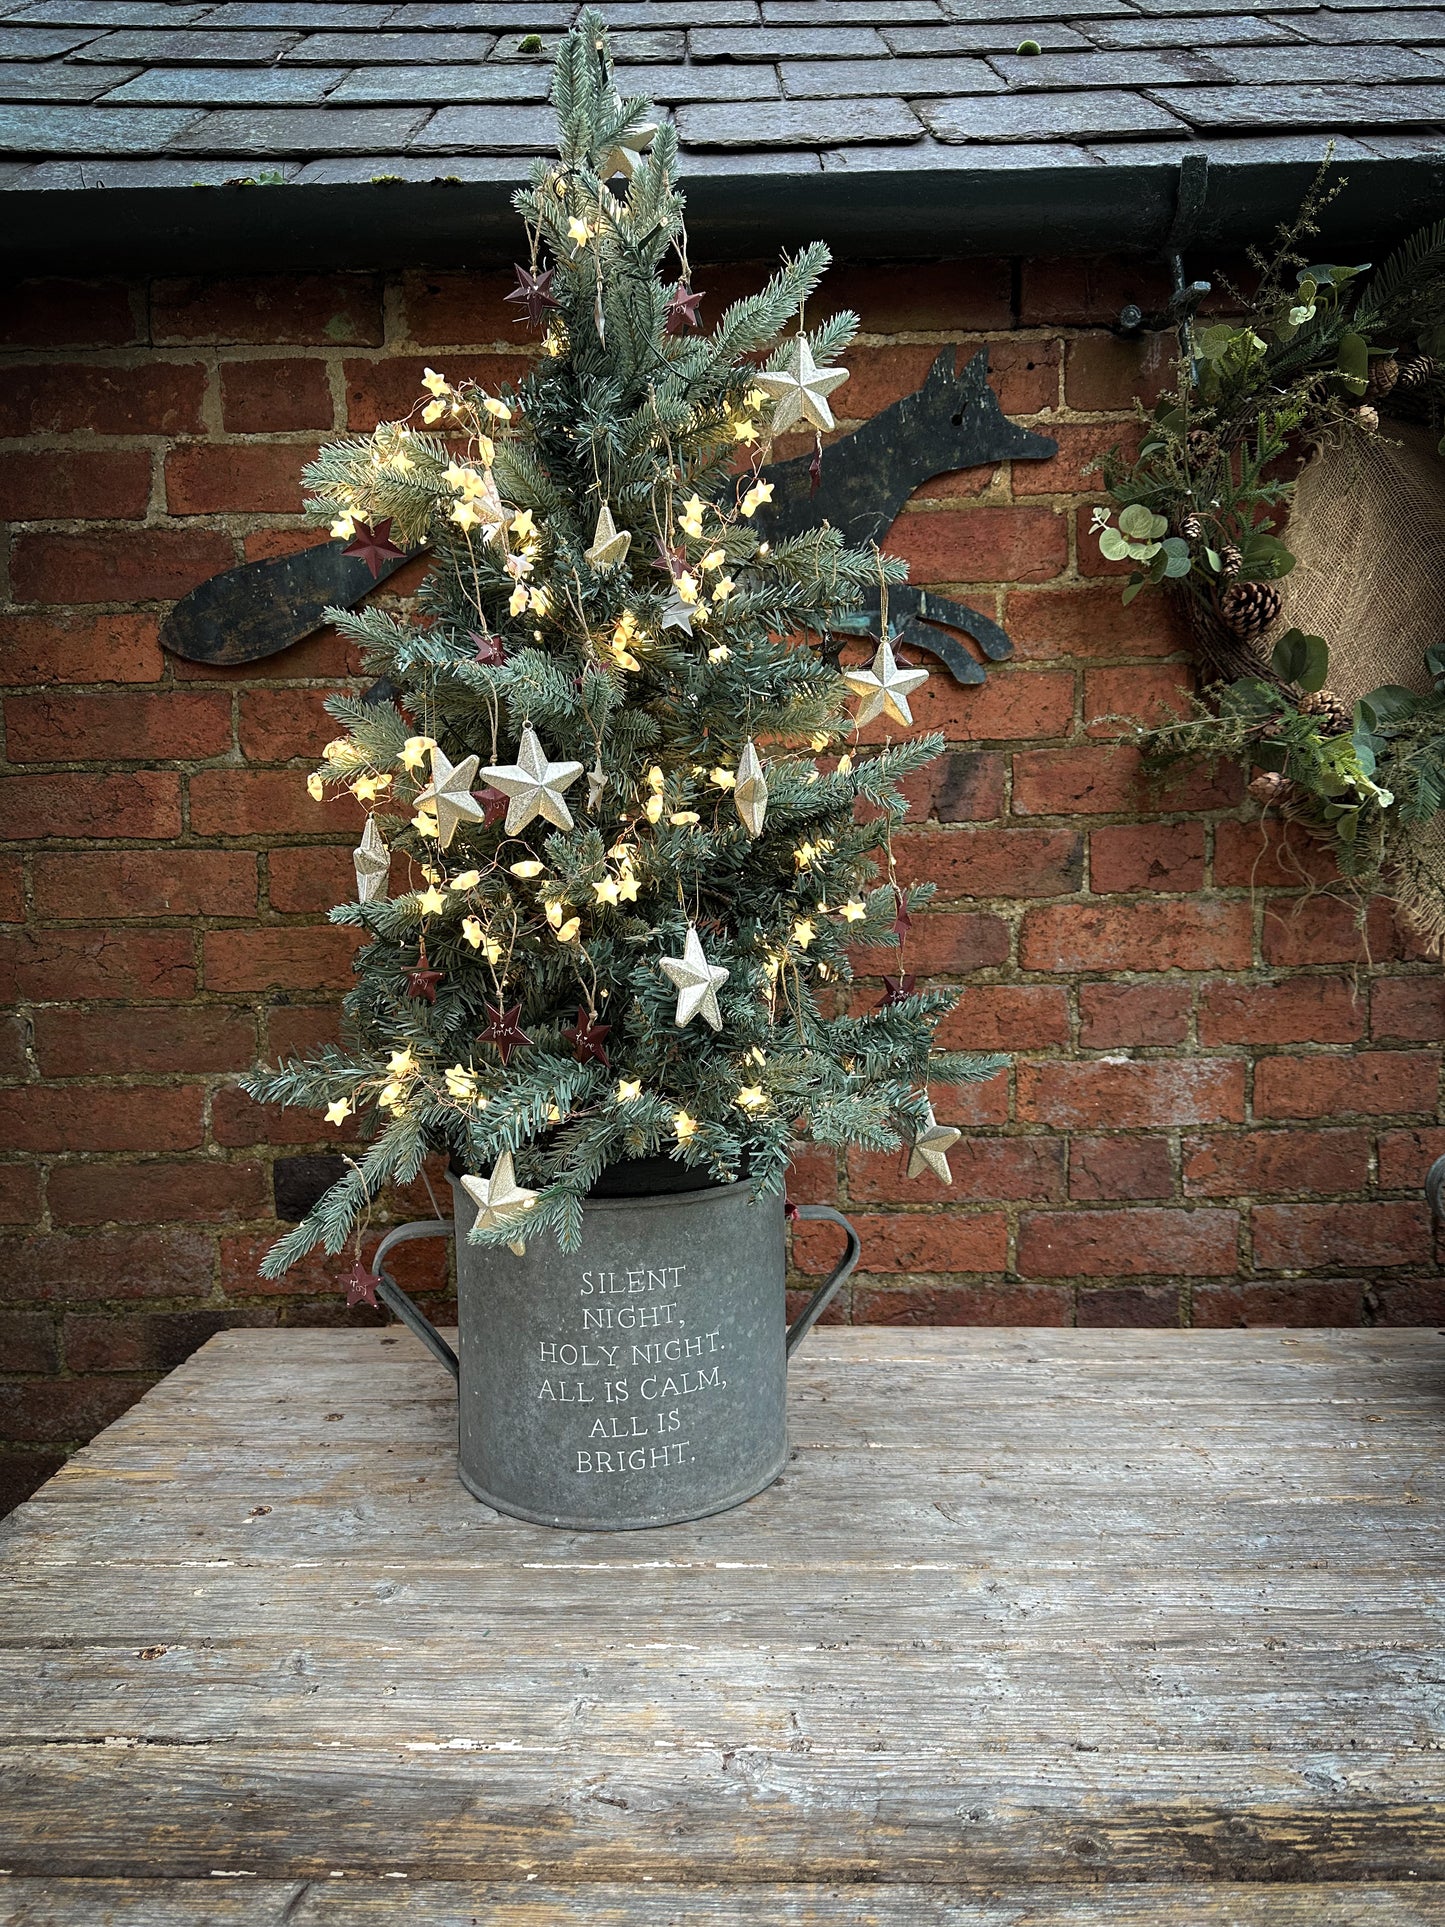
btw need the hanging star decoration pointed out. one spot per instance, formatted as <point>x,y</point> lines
<point>676,614</point>
<point>608,547</point>
<point>931,1148</point>
<point>697,982</point>
<point>629,149</point>
<point>895,989</point>
<point>681,310</point>
<point>596,784</point>
<point>373,864</point>
<point>884,685</point>
<point>815,470</point>
<point>903,922</point>
<point>534,785</point>
<point>492,803</point>
<point>360,1285</point>
<point>489,650</point>
<point>498,1198</point>
<point>504,1029</point>
<point>449,794</point>
<point>588,1038</point>
<point>670,561</point>
<point>372,544</point>
<point>799,388</point>
<point>750,793</point>
<point>533,295</point>
<point>422,980</point>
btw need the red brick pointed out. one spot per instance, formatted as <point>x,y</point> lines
<point>147,1042</point>
<point>295,1030</point>
<point>1120,1167</point>
<point>137,803</point>
<point>58,398</point>
<point>288,959</point>
<point>1090,623</point>
<point>12,1047</point>
<point>311,878</point>
<point>121,565</point>
<point>109,484</point>
<point>1023,373</point>
<point>1088,290</point>
<point>1021,706</point>
<point>27,1342</point>
<point>813,1174</point>
<point>389,390</point>
<point>238,1122</point>
<point>49,965</point>
<point>1130,1307</point>
<point>77,1268</point>
<point>1010,1017</point>
<point>19,1194</point>
<point>151,1341</point>
<point>172,724</point>
<point>79,648</point>
<point>464,307</point>
<point>1258,1163</point>
<point>280,725</point>
<point>204,478</point>
<point>966,862</point>
<point>1000,544</point>
<point>952,295</point>
<point>1110,782</point>
<point>324,654</point>
<point>330,310</point>
<point>1102,372</point>
<point>973,1104</point>
<point>1149,1095</point>
<point>1411,1009</point>
<point>65,1408</point>
<point>1132,1014</point>
<point>1291,1010</point>
<point>55,312</point>
<point>1323,930</point>
<point>1406,1157</point>
<point>1208,935</point>
<point>422,1268</point>
<point>963,1305</point>
<point>943,941</point>
<point>931,1241</point>
<point>986,1170</point>
<point>275,397</point>
<point>264,545</point>
<point>1127,1243</point>
<point>110,1117</point>
<point>23,1472</point>
<point>202,1191</point>
<point>1300,1237</point>
<point>1142,693</point>
<point>1265,854</point>
<point>961,786</point>
<point>1080,445</point>
<point>12,889</point>
<point>1408,1301</point>
<point>1303,1301</point>
<point>1361,1083</point>
<point>265,802</point>
<point>145,883</point>
<point>1147,856</point>
<point>883,374</point>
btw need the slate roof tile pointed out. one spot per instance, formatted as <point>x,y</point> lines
<point>796,123</point>
<point>227,87</point>
<point>786,43</point>
<point>1206,34</point>
<point>1415,27</point>
<point>387,49</point>
<point>271,131</point>
<point>188,48</point>
<point>503,130</point>
<point>837,79</point>
<point>89,130</point>
<point>677,83</point>
<point>1321,108</point>
<point>433,86</point>
<point>1045,117</point>
<point>22,80</point>
<point>41,43</point>
<point>491,16</point>
<point>983,37</point>
<point>107,13</point>
<point>1149,68</point>
<point>300,16</point>
<point>1267,66</point>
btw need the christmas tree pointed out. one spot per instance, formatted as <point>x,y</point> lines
<point>638,833</point>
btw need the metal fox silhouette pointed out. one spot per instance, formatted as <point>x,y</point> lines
<point>953,421</point>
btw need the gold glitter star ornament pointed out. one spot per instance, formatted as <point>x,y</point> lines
<point>449,794</point>
<point>373,864</point>
<point>499,1199</point>
<point>884,685</point>
<point>608,547</point>
<point>931,1148</point>
<point>799,389</point>
<point>534,786</point>
<point>750,792</point>
<point>697,982</point>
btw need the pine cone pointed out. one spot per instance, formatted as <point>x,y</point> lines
<point>1271,789</point>
<point>1191,528</point>
<point>1368,419</point>
<point>1200,444</point>
<point>1248,608</point>
<point>1417,373</point>
<point>1384,373</point>
<point>1334,719</point>
<point>1230,559</point>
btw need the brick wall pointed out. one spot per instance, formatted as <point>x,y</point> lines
<point>1223,1102</point>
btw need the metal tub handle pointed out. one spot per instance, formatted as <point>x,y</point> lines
<point>395,1299</point>
<point>828,1290</point>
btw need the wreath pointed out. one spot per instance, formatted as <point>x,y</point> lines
<point>1319,361</point>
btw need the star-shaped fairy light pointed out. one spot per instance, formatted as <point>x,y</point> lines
<point>449,794</point>
<point>588,1038</point>
<point>360,1285</point>
<point>884,685</point>
<point>697,981</point>
<point>533,295</point>
<point>681,310</point>
<point>628,150</point>
<point>799,388</point>
<point>750,792</point>
<point>373,864</point>
<point>372,544</point>
<point>534,785</point>
<point>608,547</point>
<point>504,1029</point>
<point>931,1148</point>
<point>498,1198</point>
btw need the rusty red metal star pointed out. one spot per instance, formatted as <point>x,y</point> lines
<point>681,310</point>
<point>504,1029</point>
<point>493,802</point>
<point>895,989</point>
<point>372,544</point>
<point>903,922</point>
<point>489,649</point>
<point>422,981</point>
<point>533,295</point>
<point>586,1038</point>
<point>360,1285</point>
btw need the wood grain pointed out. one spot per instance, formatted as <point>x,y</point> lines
<point>1038,1628</point>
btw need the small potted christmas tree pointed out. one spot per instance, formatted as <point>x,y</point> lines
<point>620,839</point>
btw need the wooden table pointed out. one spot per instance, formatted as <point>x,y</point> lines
<point>1134,1627</point>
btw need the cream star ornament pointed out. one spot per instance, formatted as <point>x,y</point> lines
<point>750,793</point>
<point>373,864</point>
<point>608,547</point>
<point>533,785</point>
<point>884,685</point>
<point>498,1198</point>
<point>596,784</point>
<point>676,614</point>
<point>449,794</point>
<point>799,388</point>
<point>931,1148</point>
<point>631,145</point>
<point>697,981</point>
